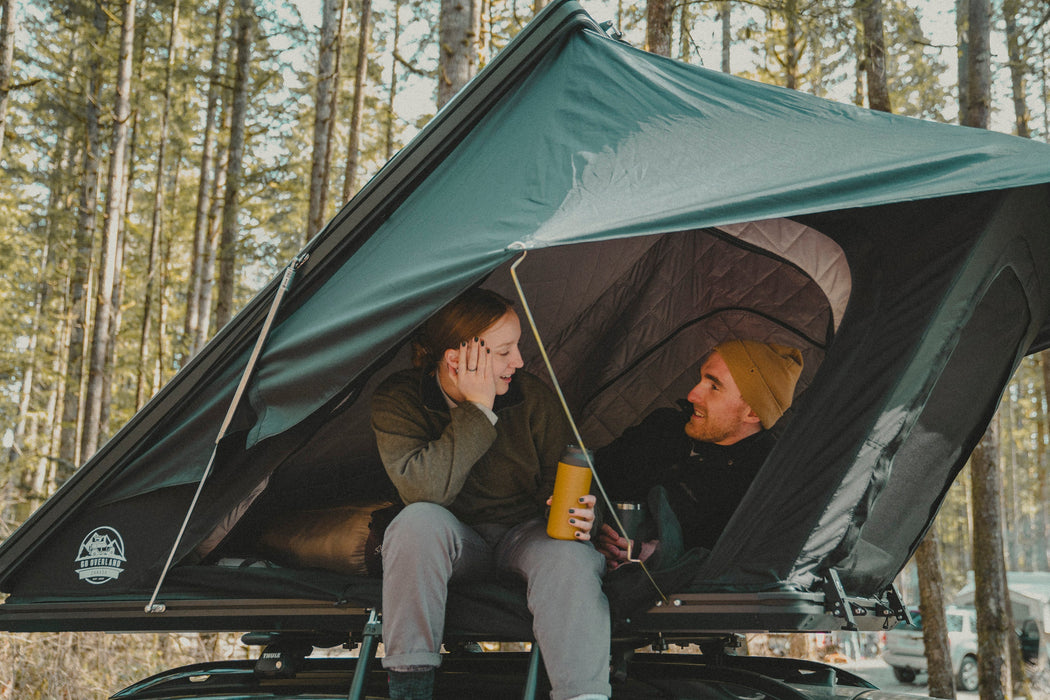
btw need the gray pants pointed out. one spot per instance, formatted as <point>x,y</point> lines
<point>426,547</point>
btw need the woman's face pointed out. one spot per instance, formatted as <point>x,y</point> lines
<point>501,338</point>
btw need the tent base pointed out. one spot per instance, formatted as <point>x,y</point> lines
<point>493,614</point>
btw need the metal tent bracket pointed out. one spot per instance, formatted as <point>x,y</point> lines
<point>895,606</point>
<point>837,604</point>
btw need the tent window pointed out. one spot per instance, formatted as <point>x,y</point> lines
<point>937,446</point>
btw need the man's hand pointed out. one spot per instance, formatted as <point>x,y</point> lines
<point>613,546</point>
<point>581,517</point>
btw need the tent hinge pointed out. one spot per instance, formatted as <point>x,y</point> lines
<point>894,607</point>
<point>836,603</point>
<point>611,31</point>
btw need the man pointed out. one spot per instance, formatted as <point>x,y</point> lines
<point>705,457</point>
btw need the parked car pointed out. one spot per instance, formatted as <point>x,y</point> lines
<point>1029,593</point>
<point>906,652</point>
<point>502,674</point>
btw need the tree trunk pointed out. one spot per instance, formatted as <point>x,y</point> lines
<point>861,62</point>
<point>337,90</point>
<point>1018,67</point>
<point>7,59</point>
<point>685,23</point>
<point>934,626</point>
<point>80,283</point>
<point>1042,535</point>
<point>34,437</point>
<point>128,199</point>
<point>326,79</point>
<point>163,343</point>
<point>725,13</point>
<point>659,21</point>
<point>962,30</point>
<point>141,390</point>
<point>115,322</point>
<point>979,68</point>
<point>989,573</point>
<point>1008,458</point>
<point>993,614</point>
<point>25,394</point>
<point>791,45</point>
<point>211,247</point>
<point>457,39</point>
<point>875,55</point>
<point>353,149</point>
<point>45,459</point>
<point>392,92</point>
<point>100,336</point>
<point>228,241</point>
<point>484,25</point>
<point>200,221</point>
<point>1045,84</point>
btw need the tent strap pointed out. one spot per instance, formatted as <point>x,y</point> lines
<point>286,282</point>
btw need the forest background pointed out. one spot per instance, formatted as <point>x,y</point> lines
<point>164,159</point>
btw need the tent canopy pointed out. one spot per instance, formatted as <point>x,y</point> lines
<point>663,208</point>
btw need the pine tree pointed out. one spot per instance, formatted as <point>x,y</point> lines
<point>227,255</point>
<point>101,336</point>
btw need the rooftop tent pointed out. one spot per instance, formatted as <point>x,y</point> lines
<point>663,207</point>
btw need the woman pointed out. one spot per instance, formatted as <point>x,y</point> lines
<point>472,443</point>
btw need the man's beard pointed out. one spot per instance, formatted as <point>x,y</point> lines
<point>709,431</point>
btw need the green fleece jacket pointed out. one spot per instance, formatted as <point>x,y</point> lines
<point>482,473</point>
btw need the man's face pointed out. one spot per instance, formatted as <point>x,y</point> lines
<point>720,414</point>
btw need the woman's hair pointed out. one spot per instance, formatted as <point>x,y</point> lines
<point>462,319</point>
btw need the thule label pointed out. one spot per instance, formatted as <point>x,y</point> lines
<point>101,556</point>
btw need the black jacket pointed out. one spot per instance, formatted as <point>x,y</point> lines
<point>703,490</point>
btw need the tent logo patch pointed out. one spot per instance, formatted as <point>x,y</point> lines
<point>101,556</point>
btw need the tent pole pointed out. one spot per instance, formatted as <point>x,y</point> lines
<point>572,421</point>
<point>286,282</point>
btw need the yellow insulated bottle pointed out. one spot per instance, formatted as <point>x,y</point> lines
<point>572,482</point>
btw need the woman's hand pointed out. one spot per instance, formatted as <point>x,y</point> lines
<point>581,517</point>
<point>473,373</point>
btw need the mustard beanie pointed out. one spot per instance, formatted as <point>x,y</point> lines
<point>765,373</point>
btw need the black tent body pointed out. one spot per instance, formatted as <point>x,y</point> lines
<point>663,208</point>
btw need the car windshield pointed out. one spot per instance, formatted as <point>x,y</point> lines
<point>953,620</point>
